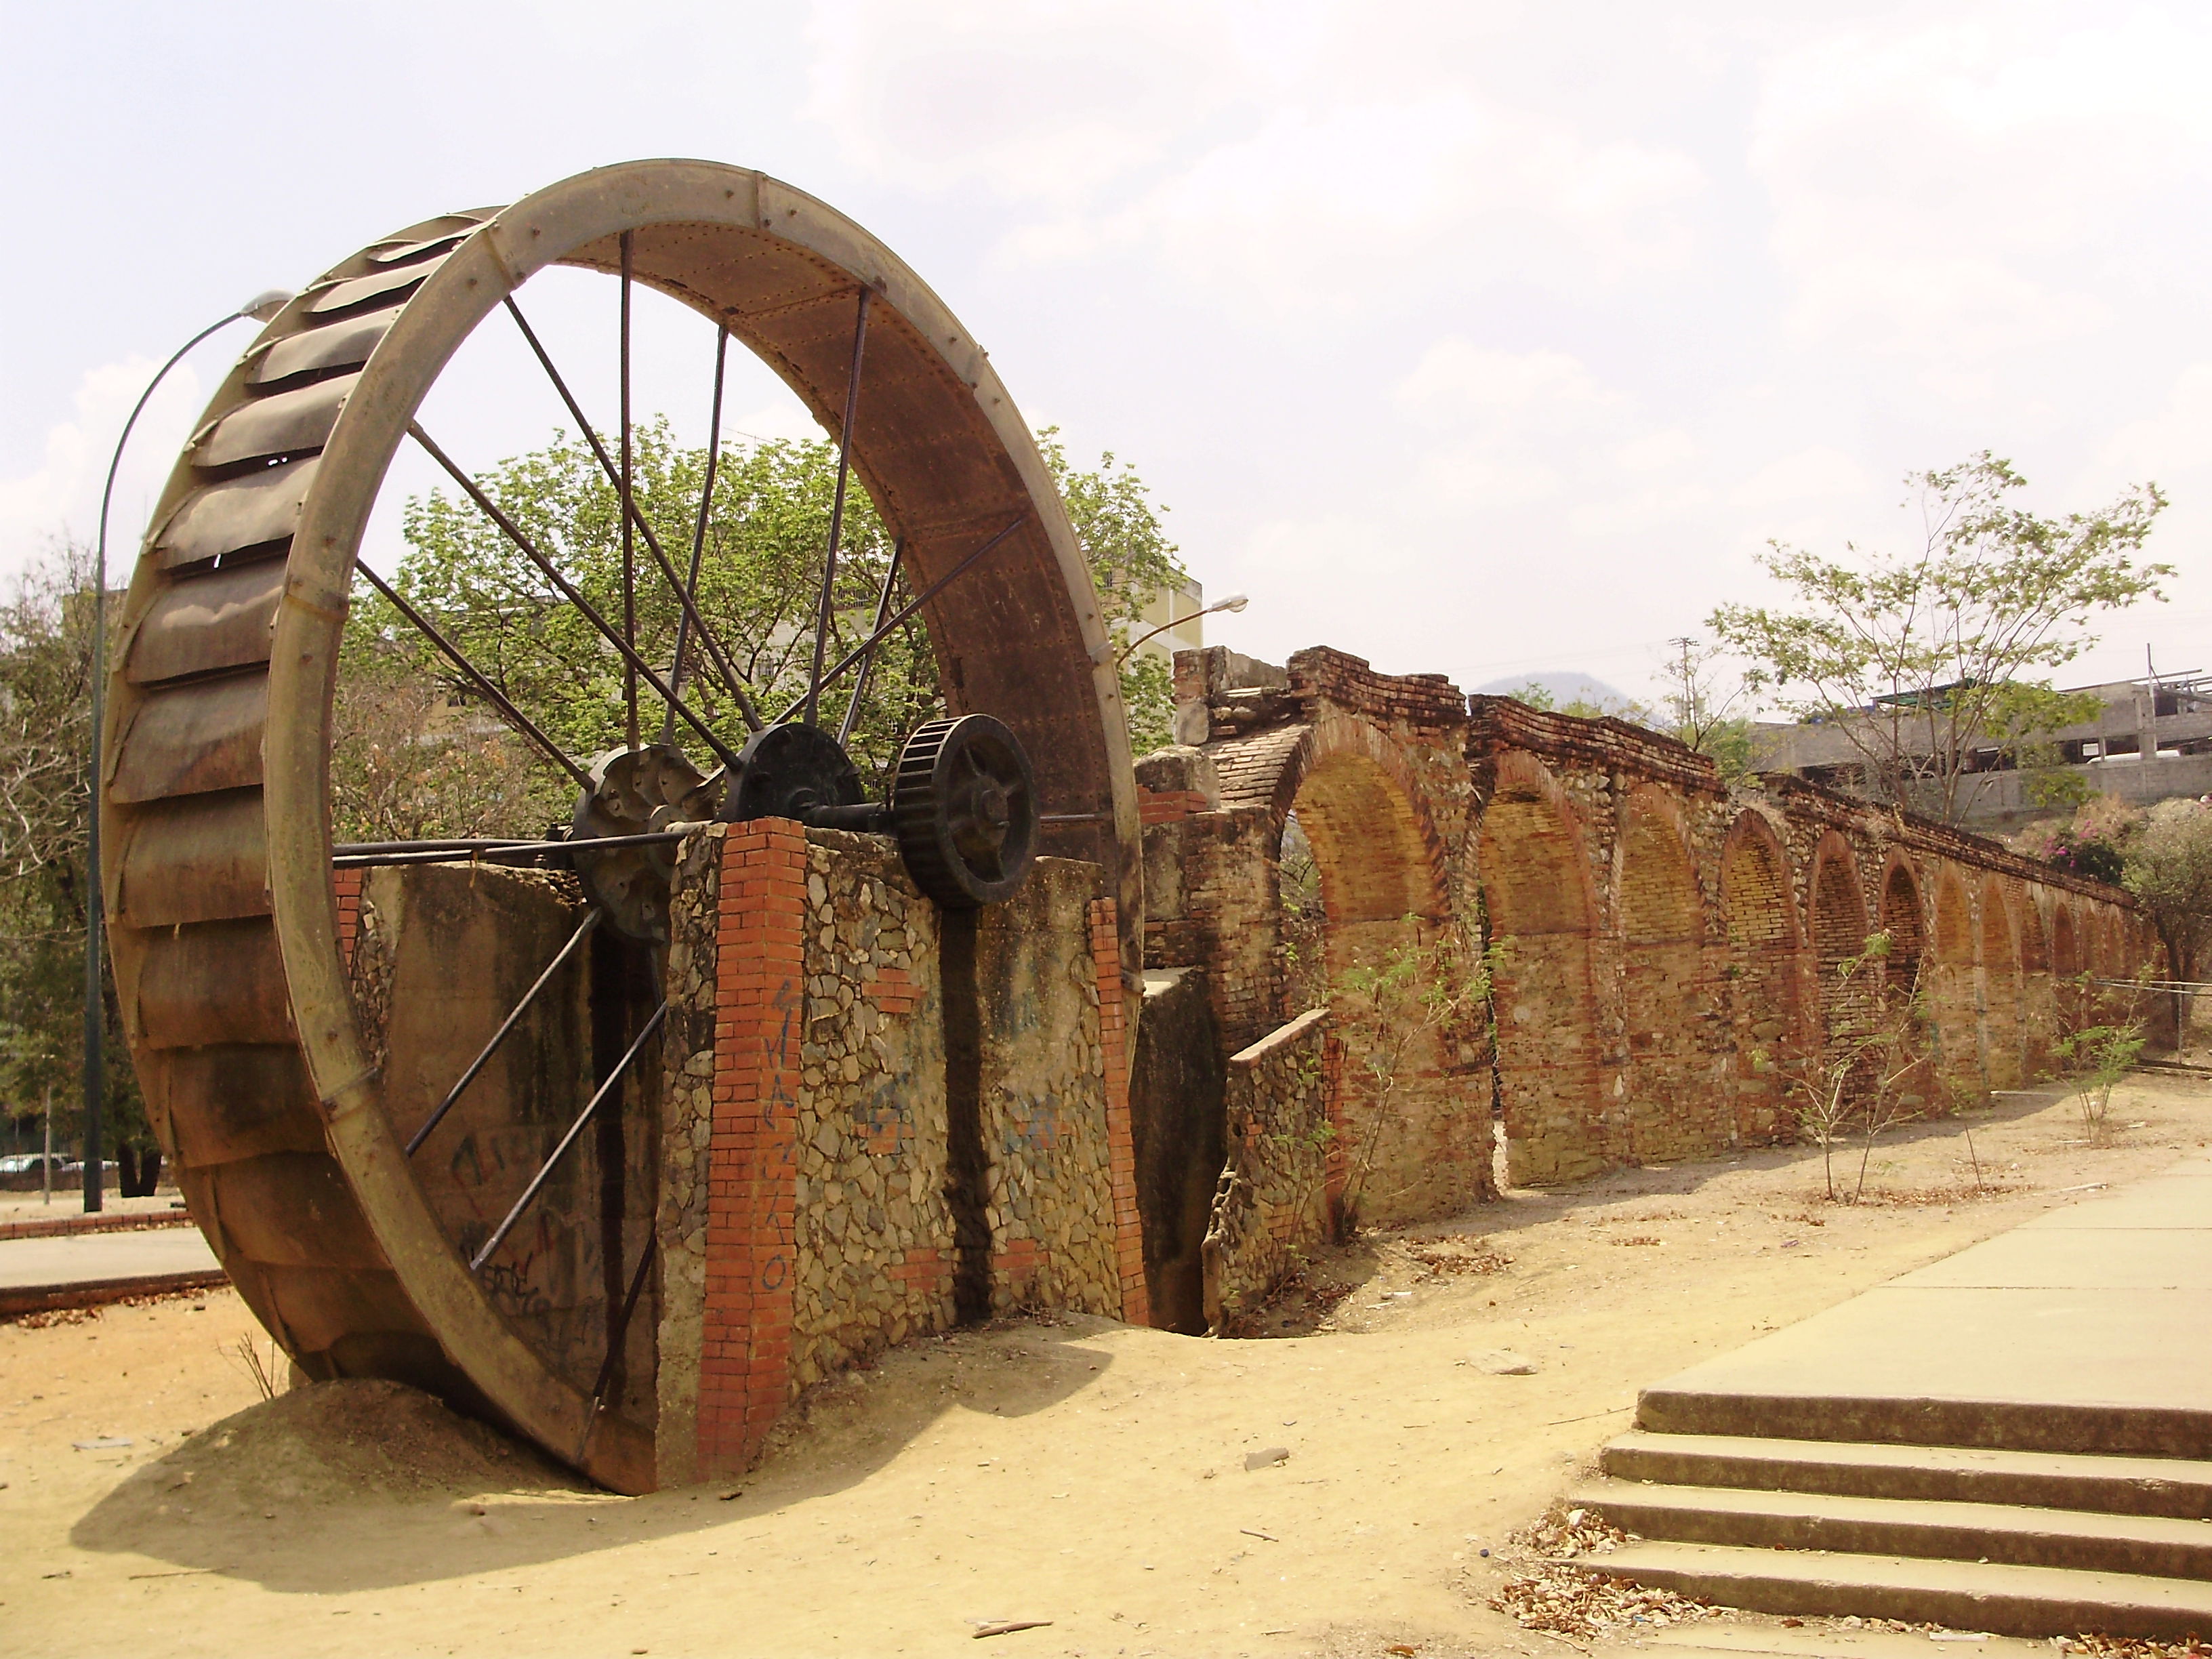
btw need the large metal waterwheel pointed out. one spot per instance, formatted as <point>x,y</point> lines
<point>260,1074</point>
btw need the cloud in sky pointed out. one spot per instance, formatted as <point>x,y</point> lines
<point>58,492</point>
<point>1455,334</point>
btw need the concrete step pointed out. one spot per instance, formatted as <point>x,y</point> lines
<point>2179,1487</point>
<point>2008,1600</point>
<point>2079,1540</point>
<point>1762,1638</point>
<point>2060,1425</point>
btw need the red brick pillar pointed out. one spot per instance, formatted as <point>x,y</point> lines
<point>1122,1155</point>
<point>744,1361</point>
<point>346,884</point>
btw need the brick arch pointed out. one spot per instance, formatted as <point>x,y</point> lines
<point>1374,837</point>
<point>1765,969</point>
<point>1902,914</point>
<point>2038,1010</point>
<point>1839,908</point>
<point>1674,1107</point>
<point>1954,1004</point>
<point>1904,919</point>
<point>1542,912</point>
<point>2065,950</point>
<point>2002,1063</point>
<point>2034,937</point>
<point>2109,961</point>
<point>1423,1149</point>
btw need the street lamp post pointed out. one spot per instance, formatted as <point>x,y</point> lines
<point>1234,602</point>
<point>261,308</point>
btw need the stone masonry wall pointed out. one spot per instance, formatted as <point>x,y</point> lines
<point>1284,1172</point>
<point>808,1205</point>
<point>875,1237</point>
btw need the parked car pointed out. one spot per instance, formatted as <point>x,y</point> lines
<point>20,1172</point>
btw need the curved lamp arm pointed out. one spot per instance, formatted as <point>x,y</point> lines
<point>1234,602</point>
<point>261,308</point>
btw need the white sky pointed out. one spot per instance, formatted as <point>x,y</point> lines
<point>1479,338</point>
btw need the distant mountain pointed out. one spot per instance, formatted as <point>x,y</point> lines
<point>1565,685</point>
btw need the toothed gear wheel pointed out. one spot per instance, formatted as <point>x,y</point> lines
<point>964,806</point>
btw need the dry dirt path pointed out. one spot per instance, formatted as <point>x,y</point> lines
<point>1078,1472</point>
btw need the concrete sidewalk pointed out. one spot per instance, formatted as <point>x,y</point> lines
<point>2017,1438</point>
<point>2087,1329</point>
<point>37,1274</point>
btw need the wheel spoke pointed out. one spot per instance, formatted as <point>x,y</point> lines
<point>615,1336</point>
<point>628,517</point>
<point>868,662</point>
<point>545,1171</point>
<point>371,855</point>
<point>828,611</point>
<point>731,679</point>
<point>906,610</point>
<point>588,610</point>
<point>690,595</point>
<point>415,1141</point>
<point>521,722</point>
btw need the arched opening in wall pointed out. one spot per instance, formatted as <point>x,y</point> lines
<point>1674,1107</point>
<point>2001,1028</point>
<point>1839,939</point>
<point>1906,995</point>
<point>2039,1012</point>
<point>2069,1004</point>
<point>1541,916</point>
<point>2114,961</point>
<point>1412,1106</point>
<point>1952,1003</point>
<point>1765,966</point>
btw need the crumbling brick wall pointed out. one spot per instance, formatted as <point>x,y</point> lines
<point>1284,1172</point>
<point>1662,944</point>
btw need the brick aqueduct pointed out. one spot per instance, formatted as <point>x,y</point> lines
<point>1662,938</point>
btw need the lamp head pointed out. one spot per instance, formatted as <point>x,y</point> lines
<point>1234,602</point>
<point>265,304</point>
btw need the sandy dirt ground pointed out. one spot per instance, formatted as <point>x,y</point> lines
<point>1073,1471</point>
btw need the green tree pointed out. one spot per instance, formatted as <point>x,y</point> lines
<point>1133,562</point>
<point>45,719</point>
<point>1924,661</point>
<point>1699,712</point>
<point>2169,870</point>
<point>412,763</point>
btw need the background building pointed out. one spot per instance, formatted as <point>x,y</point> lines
<point>2153,742</point>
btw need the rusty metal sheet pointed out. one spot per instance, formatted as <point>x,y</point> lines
<point>229,1102</point>
<point>249,511</point>
<point>326,1307</point>
<point>214,981</point>
<point>188,740</point>
<point>357,293</point>
<point>409,253</point>
<point>205,858</point>
<point>343,344</point>
<point>281,423</point>
<point>294,1210</point>
<point>206,624</point>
